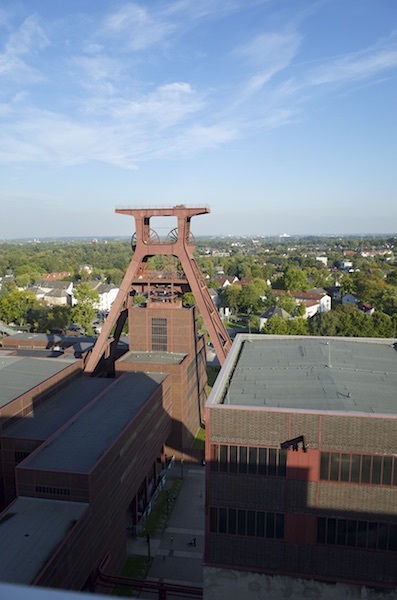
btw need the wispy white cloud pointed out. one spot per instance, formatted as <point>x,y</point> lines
<point>267,55</point>
<point>136,28</point>
<point>100,103</point>
<point>357,66</point>
<point>29,37</point>
<point>25,41</point>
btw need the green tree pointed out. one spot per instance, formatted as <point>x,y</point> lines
<point>298,327</point>
<point>287,302</point>
<point>275,325</point>
<point>382,324</point>
<point>295,279</point>
<point>15,305</point>
<point>230,296</point>
<point>391,277</point>
<point>250,298</point>
<point>188,299</point>
<point>139,299</point>
<point>49,318</point>
<point>301,310</point>
<point>84,311</point>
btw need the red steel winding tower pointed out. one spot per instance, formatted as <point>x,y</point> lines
<point>146,243</point>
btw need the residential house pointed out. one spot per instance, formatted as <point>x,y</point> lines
<point>366,308</point>
<point>53,293</point>
<point>225,280</point>
<point>273,311</point>
<point>55,276</point>
<point>350,299</point>
<point>335,292</point>
<point>314,302</point>
<point>107,295</point>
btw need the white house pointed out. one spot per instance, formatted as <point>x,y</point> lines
<point>107,295</point>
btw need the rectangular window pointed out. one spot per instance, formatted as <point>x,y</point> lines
<point>222,520</point>
<point>214,457</point>
<point>223,458</point>
<point>324,466</point>
<point>272,462</point>
<point>376,469</point>
<point>365,469</point>
<point>20,456</point>
<point>250,522</point>
<point>260,524</point>
<point>387,470</point>
<point>393,538</point>
<point>232,521</point>
<point>242,467</point>
<point>262,466</point>
<point>241,522</point>
<point>345,467</point>
<point>321,530</point>
<point>331,531</point>
<point>334,470</point>
<point>270,525</point>
<point>279,526</point>
<point>213,519</point>
<point>383,531</point>
<point>341,532</point>
<point>233,459</point>
<point>395,472</point>
<point>282,463</point>
<point>355,468</point>
<point>372,535</point>
<point>362,534</point>
<point>352,533</point>
<point>159,335</point>
<point>252,461</point>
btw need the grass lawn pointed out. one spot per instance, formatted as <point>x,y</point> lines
<point>157,520</point>
<point>199,440</point>
<point>137,567</point>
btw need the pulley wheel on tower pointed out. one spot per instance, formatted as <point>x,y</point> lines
<point>154,238</point>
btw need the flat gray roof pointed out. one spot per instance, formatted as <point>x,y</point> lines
<point>48,418</point>
<point>78,447</point>
<point>161,358</point>
<point>312,373</point>
<point>19,374</point>
<point>31,529</point>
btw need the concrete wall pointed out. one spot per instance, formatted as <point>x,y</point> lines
<point>238,585</point>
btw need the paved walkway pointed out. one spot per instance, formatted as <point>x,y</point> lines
<point>175,561</point>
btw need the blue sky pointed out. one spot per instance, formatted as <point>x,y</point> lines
<point>278,114</point>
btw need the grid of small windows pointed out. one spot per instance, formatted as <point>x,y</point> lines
<point>237,521</point>
<point>358,468</point>
<point>249,460</point>
<point>20,456</point>
<point>357,534</point>
<point>44,489</point>
<point>159,334</point>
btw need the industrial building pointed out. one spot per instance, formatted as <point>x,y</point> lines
<point>82,456</point>
<point>88,427</point>
<point>301,455</point>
